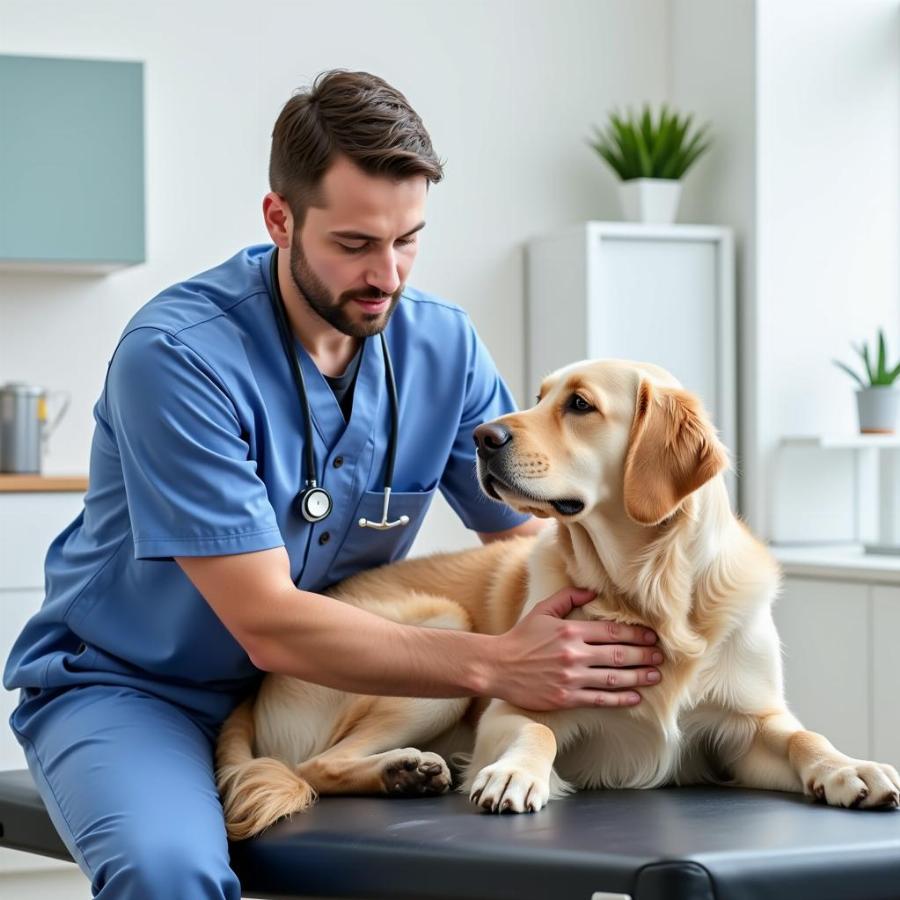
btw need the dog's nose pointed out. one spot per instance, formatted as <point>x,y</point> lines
<point>491,437</point>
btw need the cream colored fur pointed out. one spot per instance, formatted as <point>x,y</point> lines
<point>656,539</point>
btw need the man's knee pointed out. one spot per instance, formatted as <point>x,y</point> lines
<point>166,866</point>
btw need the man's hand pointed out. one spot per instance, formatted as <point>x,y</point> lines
<point>546,662</point>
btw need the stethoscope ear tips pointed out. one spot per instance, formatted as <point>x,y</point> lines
<point>384,525</point>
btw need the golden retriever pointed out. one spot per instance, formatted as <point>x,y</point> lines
<point>630,467</point>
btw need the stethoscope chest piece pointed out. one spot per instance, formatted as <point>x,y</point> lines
<point>315,504</point>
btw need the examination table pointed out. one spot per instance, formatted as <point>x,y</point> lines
<point>669,844</point>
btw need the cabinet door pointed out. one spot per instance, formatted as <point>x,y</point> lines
<point>658,301</point>
<point>824,628</point>
<point>15,609</point>
<point>72,141</point>
<point>28,524</point>
<point>885,675</point>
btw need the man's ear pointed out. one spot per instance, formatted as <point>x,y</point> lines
<point>673,450</point>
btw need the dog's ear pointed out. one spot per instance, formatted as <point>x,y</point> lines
<point>673,450</point>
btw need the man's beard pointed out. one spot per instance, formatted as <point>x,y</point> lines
<point>335,311</point>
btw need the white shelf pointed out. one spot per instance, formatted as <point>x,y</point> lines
<point>876,480</point>
<point>844,441</point>
<point>847,562</point>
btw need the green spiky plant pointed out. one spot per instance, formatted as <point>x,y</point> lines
<point>878,375</point>
<point>639,146</point>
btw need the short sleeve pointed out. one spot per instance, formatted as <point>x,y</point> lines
<point>487,397</point>
<point>192,488</point>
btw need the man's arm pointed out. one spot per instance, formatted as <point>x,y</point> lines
<point>544,662</point>
<point>530,527</point>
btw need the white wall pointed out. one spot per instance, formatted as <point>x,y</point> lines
<point>507,88</point>
<point>828,236</point>
<point>805,100</point>
<point>713,75</point>
<point>803,95</point>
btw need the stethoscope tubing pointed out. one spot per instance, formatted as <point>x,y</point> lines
<point>310,483</point>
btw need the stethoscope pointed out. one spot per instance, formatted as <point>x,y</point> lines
<point>314,501</point>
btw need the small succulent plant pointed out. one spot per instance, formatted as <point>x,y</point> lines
<point>878,375</point>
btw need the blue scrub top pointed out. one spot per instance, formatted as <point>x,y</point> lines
<point>198,451</point>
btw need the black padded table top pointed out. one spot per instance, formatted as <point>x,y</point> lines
<point>669,844</point>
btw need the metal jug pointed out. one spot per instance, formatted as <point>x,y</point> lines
<point>24,427</point>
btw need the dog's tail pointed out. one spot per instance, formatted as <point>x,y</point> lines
<point>255,791</point>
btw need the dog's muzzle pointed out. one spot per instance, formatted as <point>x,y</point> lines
<point>493,440</point>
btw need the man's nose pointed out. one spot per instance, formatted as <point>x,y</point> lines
<point>490,438</point>
<point>384,273</point>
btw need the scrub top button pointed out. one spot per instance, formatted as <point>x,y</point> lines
<point>324,537</point>
<point>338,462</point>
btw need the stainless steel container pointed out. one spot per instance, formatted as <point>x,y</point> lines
<point>23,426</point>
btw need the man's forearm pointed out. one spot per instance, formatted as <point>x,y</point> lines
<point>319,639</point>
<point>543,662</point>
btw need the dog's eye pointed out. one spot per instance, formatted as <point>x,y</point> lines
<point>577,403</point>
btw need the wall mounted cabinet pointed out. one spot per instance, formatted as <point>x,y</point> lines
<point>71,164</point>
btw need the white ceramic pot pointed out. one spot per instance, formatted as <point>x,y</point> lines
<point>650,199</point>
<point>878,407</point>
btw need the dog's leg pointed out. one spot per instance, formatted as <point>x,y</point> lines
<point>363,758</point>
<point>512,764</point>
<point>785,757</point>
<point>364,761</point>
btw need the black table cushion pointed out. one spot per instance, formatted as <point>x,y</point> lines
<point>670,844</point>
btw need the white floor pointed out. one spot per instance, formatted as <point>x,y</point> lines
<point>24,876</point>
<point>70,885</point>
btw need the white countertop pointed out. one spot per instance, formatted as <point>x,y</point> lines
<point>845,561</point>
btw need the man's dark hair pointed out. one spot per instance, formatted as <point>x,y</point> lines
<point>354,114</point>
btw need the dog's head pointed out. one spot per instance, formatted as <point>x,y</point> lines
<point>614,434</point>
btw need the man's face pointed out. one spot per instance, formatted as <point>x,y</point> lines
<point>351,257</point>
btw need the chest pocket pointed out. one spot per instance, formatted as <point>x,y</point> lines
<point>365,548</point>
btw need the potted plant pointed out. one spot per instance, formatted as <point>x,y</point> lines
<point>650,156</point>
<point>877,399</point>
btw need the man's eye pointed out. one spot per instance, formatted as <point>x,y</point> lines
<point>405,242</point>
<point>577,403</point>
<point>348,249</point>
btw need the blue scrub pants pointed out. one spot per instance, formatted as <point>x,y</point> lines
<point>128,781</point>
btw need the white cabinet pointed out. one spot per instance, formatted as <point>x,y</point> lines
<point>885,673</point>
<point>28,523</point>
<point>650,293</point>
<point>824,628</point>
<point>841,680</point>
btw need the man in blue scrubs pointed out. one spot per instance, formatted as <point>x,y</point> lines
<point>190,569</point>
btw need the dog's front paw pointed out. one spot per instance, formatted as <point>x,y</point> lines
<point>410,771</point>
<point>858,784</point>
<point>504,788</point>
